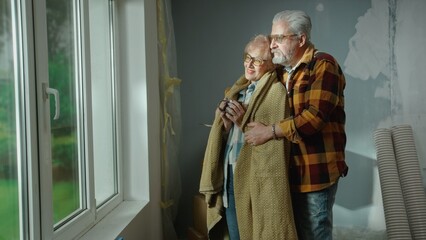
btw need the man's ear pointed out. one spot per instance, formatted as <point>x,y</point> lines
<point>302,40</point>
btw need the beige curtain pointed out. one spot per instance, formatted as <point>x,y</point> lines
<point>170,119</point>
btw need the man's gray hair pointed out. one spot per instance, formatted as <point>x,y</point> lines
<point>298,21</point>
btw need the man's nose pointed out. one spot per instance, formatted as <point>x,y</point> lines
<point>273,44</point>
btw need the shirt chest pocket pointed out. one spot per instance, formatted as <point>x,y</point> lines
<point>300,91</point>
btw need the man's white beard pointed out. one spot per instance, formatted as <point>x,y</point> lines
<point>278,60</point>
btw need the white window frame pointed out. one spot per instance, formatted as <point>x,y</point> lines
<point>41,220</point>
<point>139,213</point>
<point>107,207</point>
<point>139,140</point>
<point>88,215</point>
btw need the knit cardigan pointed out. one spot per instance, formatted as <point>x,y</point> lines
<point>261,187</point>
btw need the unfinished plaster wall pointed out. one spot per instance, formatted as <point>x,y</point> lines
<point>379,46</point>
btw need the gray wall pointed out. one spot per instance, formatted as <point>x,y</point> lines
<point>376,42</point>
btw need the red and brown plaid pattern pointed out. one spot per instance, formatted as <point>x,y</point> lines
<point>317,106</point>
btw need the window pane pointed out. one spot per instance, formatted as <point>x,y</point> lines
<point>63,76</point>
<point>9,202</point>
<point>103,100</point>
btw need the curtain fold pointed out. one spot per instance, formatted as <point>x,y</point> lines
<point>170,119</point>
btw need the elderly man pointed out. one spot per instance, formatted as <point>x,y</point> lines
<point>315,85</point>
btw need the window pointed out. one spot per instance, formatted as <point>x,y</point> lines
<point>10,138</point>
<point>104,99</point>
<point>68,132</point>
<point>59,164</point>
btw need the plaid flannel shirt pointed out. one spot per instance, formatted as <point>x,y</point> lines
<point>317,125</point>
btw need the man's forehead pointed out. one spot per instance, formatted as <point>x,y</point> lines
<point>279,28</point>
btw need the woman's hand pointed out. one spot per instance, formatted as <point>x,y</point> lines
<point>221,108</point>
<point>235,111</point>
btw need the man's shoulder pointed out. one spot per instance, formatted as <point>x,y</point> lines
<point>321,57</point>
<point>324,56</point>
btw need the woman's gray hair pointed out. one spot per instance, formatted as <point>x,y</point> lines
<point>298,21</point>
<point>261,41</point>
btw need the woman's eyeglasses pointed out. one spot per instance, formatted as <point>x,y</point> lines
<point>255,61</point>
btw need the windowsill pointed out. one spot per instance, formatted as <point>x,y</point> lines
<point>115,222</point>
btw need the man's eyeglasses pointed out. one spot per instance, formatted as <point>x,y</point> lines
<point>256,61</point>
<point>279,38</point>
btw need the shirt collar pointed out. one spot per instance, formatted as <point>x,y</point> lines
<point>306,58</point>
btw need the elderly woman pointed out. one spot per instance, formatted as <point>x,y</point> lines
<point>249,181</point>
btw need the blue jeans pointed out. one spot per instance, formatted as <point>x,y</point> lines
<point>231,214</point>
<point>313,213</point>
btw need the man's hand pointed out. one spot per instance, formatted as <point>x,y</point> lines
<point>258,133</point>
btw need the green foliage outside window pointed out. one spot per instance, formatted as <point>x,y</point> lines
<point>64,138</point>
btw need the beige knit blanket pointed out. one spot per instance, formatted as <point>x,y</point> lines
<point>261,185</point>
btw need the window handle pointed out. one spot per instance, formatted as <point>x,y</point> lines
<point>55,93</point>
